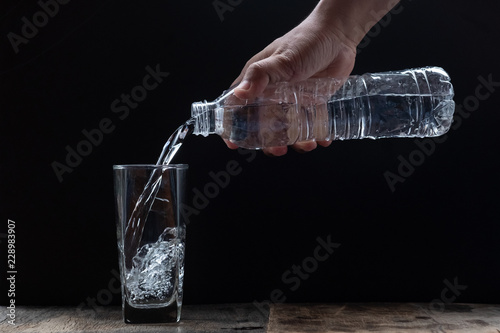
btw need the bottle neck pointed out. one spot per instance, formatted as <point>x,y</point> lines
<point>204,115</point>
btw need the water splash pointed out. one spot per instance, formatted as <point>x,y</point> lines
<point>152,279</point>
<point>139,216</point>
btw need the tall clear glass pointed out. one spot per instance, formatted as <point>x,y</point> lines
<point>151,240</point>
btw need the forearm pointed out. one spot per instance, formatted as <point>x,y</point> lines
<point>351,18</point>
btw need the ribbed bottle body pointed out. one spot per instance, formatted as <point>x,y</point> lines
<point>409,103</point>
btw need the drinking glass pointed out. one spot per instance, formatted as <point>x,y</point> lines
<point>151,240</point>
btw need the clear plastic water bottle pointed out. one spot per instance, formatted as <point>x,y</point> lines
<point>398,104</point>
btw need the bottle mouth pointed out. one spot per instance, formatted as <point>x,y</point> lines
<point>199,108</point>
<point>202,113</point>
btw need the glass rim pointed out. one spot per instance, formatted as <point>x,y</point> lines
<point>150,166</point>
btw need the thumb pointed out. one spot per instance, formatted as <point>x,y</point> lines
<point>261,73</point>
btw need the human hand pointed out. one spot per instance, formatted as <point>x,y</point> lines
<point>311,49</point>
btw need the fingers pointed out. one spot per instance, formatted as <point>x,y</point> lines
<point>254,82</point>
<point>258,75</point>
<point>324,143</point>
<point>300,147</point>
<point>267,52</point>
<point>275,151</point>
<point>304,147</point>
<point>230,145</point>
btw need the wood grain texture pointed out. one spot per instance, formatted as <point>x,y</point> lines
<point>308,318</point>
<point>388,318</point>
<point>195,318</point>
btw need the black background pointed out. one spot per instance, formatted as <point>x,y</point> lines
<point>441,223</point>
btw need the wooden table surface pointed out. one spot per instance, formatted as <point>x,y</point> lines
<point>351,317</point>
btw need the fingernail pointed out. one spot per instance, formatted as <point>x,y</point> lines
<point>244,85</point>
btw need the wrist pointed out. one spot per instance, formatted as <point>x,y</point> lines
<point>350,20</point>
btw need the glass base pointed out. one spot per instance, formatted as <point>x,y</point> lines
<point>167,314</point>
